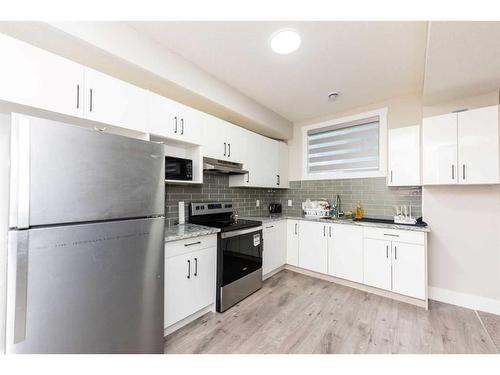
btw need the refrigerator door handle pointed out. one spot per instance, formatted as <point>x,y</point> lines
<point>18,289</point>
<point>20,172</point>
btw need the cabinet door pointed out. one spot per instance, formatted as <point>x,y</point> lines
<point>274,255</point>
<point>292,242</point>
<point>404,157</point>
<point>439,159</point>
<point>478,146</point>
<point>190,124</point>
<point>204,270</point>
<point>408,269</point>
<point>162,116</point>
<point>236,139</point>
<point>313,246</point>
<point>115,102</point>
<point>345,252</point>
<point>214,138</point>
<point>283,165</point>
<point>377,263</point>
<point>180,290</point>
<point>37,78</point>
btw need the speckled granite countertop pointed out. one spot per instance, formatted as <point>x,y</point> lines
<point>267,219</point>
<point>183,231</point>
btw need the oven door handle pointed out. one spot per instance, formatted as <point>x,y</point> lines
<point>235,233</point>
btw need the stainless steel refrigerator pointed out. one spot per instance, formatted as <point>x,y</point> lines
<point>86,241</point>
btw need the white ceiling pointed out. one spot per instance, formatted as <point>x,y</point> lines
<point>366,61</point>
<point>463,60</point>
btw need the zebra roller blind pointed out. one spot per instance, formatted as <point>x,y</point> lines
<point>343,148</point>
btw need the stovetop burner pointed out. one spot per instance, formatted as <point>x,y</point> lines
<point>218,215</point>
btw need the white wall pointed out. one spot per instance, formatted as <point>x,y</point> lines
<point>4,213</point>
<point>464,243</point>
<point>402,111</point>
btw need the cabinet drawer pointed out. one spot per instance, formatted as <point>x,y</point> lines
<point>190,244</point>
<point>395,235</point>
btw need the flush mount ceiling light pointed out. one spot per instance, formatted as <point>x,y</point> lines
<point>285,41</point>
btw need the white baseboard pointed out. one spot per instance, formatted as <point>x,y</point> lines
<point>174,327</point>
<point>465,300</point>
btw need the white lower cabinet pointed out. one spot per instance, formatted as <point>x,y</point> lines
<point>396,266</point>
<point>275,251</point>
<point>408,269</point>
<point>313,246</point>
<point>189,278</point>
<point>345,252</point>
<point>292,242</point>
<point>377,263</point>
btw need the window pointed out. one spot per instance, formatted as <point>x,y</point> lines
<point>345,148</point>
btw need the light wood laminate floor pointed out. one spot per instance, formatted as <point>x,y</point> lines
<point>294,313</point>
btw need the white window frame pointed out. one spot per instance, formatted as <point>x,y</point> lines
<point>380,172</point>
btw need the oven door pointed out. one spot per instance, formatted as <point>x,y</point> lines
<point>241,254</point>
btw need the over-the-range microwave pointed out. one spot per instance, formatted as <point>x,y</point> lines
<point>178,169</point>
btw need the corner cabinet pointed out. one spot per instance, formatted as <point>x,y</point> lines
<point>404,157</point>
<point>461,148</point>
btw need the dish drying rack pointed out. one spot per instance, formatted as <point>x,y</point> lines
<point>322,208</point>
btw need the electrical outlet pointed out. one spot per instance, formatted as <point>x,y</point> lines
<point>289,203</point>
<point>257,203</point>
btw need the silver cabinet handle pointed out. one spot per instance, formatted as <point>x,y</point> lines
<point>453,171</point>
<point>463,171</point>
<point>182,126</point>
<point>229,150</point>
<point>269,227</point>
<point>395,253</point>
<point>296,228</point>
<point>391,235</point>
<point>391,176</point>
<point>387,251</point>
<point>277,179</point>
<point>77,96</point>
<point>248,177</point>
<point>192,243</point>
<point>175,124</point>
<point>91,106</point>
<point>224,148</point>
<point>196,266</point>
<point>330,231</point>
<point>189,269</point>
<point>324,230</point>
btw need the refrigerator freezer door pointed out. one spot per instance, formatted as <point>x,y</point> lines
<point>67,174</point>
<point>88,288</point>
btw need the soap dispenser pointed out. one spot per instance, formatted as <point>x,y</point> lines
<point>359,211</point>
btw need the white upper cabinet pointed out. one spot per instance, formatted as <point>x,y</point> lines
<point>404,157</point>
<point>115,102</point>
<point>214,138</point>
<point>37,78</point>
<point>439,160</point>
<point>283,165</point>
<point>478,152</point>
<point>170,119</point>
<point>462,148</point>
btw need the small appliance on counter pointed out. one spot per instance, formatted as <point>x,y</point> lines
<point>178,169</point>
<point>274,209</point>
<point>319,208</point>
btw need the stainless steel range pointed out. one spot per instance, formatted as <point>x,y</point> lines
<point>239,251</point>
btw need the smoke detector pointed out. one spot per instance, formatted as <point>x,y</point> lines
<point>333,95</point>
